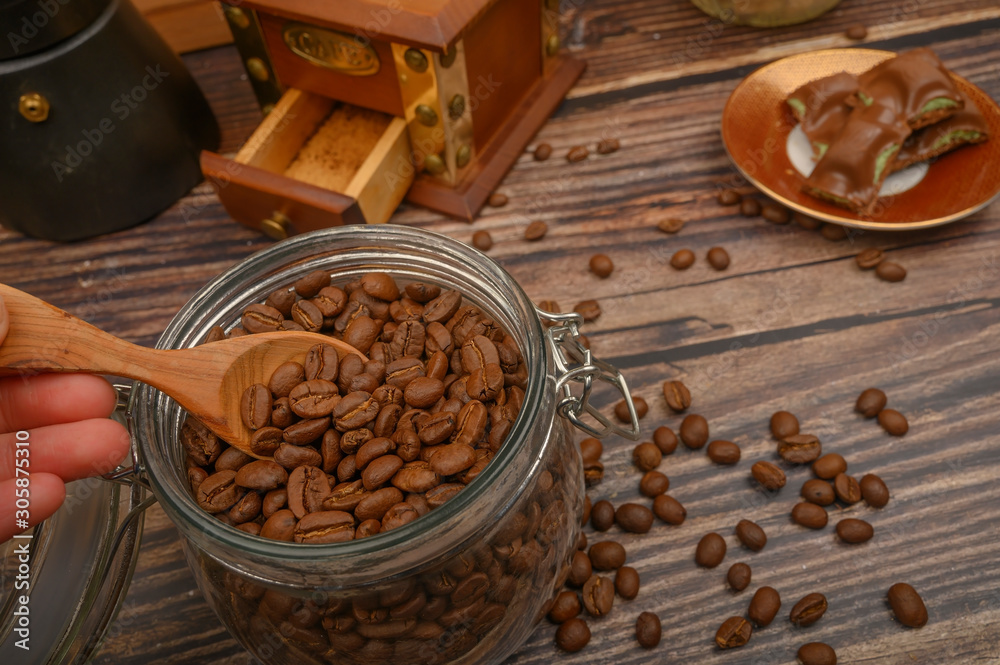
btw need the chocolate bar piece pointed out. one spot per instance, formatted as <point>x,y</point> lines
<point>965,127</point>
<point>853,168</point>
<point>915,84</point>
<point>821,108</point>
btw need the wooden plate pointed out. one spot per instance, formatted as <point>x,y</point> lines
<point>756,124</point>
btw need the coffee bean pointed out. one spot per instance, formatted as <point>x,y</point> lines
<point>809,515</point>
<point>818,491</point>
<point>682,259</point>
<point>572,635</point>
<point>621,409</point>
<point>749,207</point>
<point>261,318</point>
<point>870,402</point>
<point>729,197</point>
<point>776,214</point>
<point>873,490</point>
<point>809,610</point>
<point>718,258</point>
<point>890,272</point>
<point>591,450</point>
<point>577,154</point>
<point>482,240</point>
<point>653,484</point>
<point>893,422</point>
<point>233,459</point>
<point>423,392</point>
<point>607,146</point>
<point>733,633</point>
<point>598,596</point>
<point>262,475</point>
<point>907,605</point>
<point>784,424</point>
<point>266,440</point>
<point>588,309</point>
<point>869,258</point>
<point>817,653</point>
<point>647,456</point>
<point>670,225</point>
<point>800,449</point>
<point>607,555</point>
<point>723,452</point>
<point>497,200</point>
<point>856,32</point>
<point>565,607</point>
<point>833,232</point>
<point>634,518</point>
<point>648,630</point>
<point>829,466</point>
<point>764,606</point>
<point>854,531</point>
<point>627,582</point>
<point>669,509</point>
<point>307,315</point>
<point>536,230</point>
<point>279,526</point>
<point>218,492</point>
<point>665,440</point>
<point>771,477</point>
<point>694,431</point>
<point>711,550</point>
<point>602,515</point>
<point>282,300</point>
<point>806,222</point>
<point>751,535</point>
<point>255,406</point>
<point>677,395</point>
<point>313,399</point>
<point>310,285</point>
<point>542,152</point>
<point>739,576</point>
<point>200,443</point>
<point>580,569</point>
<point>601,265</point>
<point>847,488</point>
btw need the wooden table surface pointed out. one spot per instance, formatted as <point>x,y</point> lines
<point>792,324</point>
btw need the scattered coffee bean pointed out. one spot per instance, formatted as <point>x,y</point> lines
<point>634,518</point>
<point>890,272</point>
<point>482,240</point>
<point>733,633</point>
<point>718,258</point>
<point>869,258</point>
<point>764,606</point>
<point>602,515</point>
<point>669,509</point>
<point>677,395</point>
<point>607,555</point>
<point>784,424</point>
<point>749,207</point>
<point>565,607</point>
<point>907,605</point>
<point>653,484</point>
<point>776,214</point>
<point>627,582</point>
<point>682,259</point>
<point>601,265</point>
<point>497,200</point>
<point>857,32</point>
<point>588,309</point>
<point>607,146</point>
<point>580,569</point>
<point>729,197</point>
<point>829,466</point>
<point>847,488</point>
<point>854,531</point>
<point>711,550</point>
<point>739,576</point>
<point>751,535</point>
<point>647,456</point>
<point>670,225</point>
<point>723,452</point>
<point>572,635</point>
<point>807,222</point>
<point>536,230</point>
<point>648,630</point>
<point>870,402</point>
<point>817,653</point>
<point>874,490</point>
<point>809,610</point>
<point>800,449</point>
<point>818,491</point>
<point>694,431</point>
<point>833,232</point>
<point>665,439</point>
<point>771,477</point>
<point>542,152</point>
<point>577,154</point>
<point>591,450</point>
<point>598,596</point>
<point>893,422</point>
<point>809,515</point>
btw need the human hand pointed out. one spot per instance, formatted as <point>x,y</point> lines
<point>61,423</point>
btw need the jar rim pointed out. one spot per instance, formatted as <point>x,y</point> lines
<point>146,401</point>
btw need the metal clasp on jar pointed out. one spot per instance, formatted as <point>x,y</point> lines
<point>575,364</point>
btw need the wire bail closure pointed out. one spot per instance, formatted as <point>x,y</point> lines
<point>576,364</point>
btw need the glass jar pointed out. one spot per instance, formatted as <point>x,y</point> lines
<point>466,582</point>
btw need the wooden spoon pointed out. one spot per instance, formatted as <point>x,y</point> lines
<point>207,380</point>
